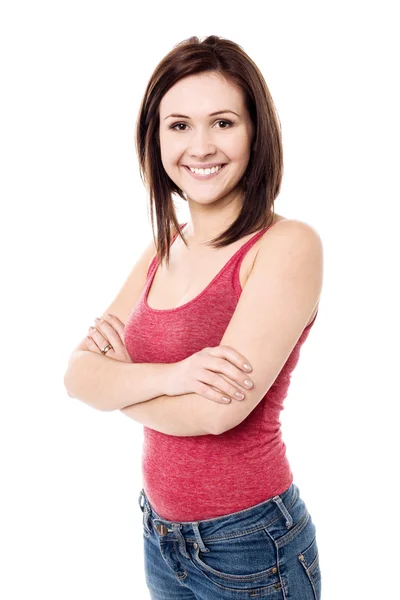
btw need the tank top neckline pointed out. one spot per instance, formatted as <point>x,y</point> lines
<point>220,272</point>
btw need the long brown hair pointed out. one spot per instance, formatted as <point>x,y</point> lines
<point>262,178</point>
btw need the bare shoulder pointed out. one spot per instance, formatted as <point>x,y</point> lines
<point>291,239</point>
<point>294,249</point>
<point>293,228</point>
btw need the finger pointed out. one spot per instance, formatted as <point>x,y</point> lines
<point>99,339</point>
<point>227,388</point>
<point>91,345</point>
<point>227,369</point>
<point>117,324</point>
<point>211,393</point>
<point>231,354</point>
<point>109,333</point>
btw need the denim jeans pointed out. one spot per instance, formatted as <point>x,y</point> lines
<point>268,550</point>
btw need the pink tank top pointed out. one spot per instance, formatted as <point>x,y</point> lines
<point>202,477</point>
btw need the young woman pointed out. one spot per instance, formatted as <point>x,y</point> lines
<point>236,284</point>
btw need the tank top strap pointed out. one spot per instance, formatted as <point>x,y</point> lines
<point>154,261</point>
<point>247,245</point>
<point>239,254</point>
<point>237,257</point>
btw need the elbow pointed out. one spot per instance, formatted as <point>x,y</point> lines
<point>219,426</point>
<point>74,394</point>
<point>66,386</point>
<point>225,423</point>
<point>218,430</point>
<point>220,418</point>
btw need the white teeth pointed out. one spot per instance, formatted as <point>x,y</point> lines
<point>206,171</point>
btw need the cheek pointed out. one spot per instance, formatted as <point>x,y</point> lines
<point>171,151</point>
<point>237,146</point>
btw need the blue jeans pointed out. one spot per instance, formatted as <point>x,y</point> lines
<point>268,550</point>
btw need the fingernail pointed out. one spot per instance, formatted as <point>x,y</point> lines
<point>96,319</point>
<point>247,367</point>
<point>225,399</point>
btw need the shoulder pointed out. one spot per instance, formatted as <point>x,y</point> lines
<point>292,227</point>
<point>291,234</point>
<point>291,248</point>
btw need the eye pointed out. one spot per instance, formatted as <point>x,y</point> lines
<point>176,126</point>
<point>226,122</point>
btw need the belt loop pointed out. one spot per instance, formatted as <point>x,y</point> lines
<point>147,519</point>
<point>145,506</point>
<point>141,495</point>
<point>195,527</point>
<point>146,513</point>
<point>284,510</point>
<point>182,545</point>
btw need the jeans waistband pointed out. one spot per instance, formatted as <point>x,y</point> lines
<point>249,519</point>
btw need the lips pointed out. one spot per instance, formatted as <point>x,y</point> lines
<point>199,177</point>
<point>206,166</point>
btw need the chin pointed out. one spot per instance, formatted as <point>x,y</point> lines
<point>206,199</point>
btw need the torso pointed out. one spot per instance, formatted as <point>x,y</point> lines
<point>189,272</point>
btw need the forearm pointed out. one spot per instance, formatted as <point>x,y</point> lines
<point>108,384</point>
<point>186,415</point>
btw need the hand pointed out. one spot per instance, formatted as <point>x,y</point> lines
<point>108,330</point>
<point>200,374</point>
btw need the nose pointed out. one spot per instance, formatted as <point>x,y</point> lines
<point>201,143</point>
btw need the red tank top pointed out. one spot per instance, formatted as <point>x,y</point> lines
<point>201,477</point>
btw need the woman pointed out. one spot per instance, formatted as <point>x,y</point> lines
<point>222,517</point>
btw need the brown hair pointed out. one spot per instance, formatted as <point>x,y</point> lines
<point>262,178</point>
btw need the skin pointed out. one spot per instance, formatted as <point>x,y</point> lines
<point>213,203</point>
<point>109,330</point>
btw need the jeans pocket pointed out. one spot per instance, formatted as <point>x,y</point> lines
<point>244,563</point>
<point>309,558</point>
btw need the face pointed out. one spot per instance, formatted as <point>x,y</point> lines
<point>191,136</point>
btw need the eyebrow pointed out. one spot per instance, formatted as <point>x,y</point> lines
<point>218,112</point>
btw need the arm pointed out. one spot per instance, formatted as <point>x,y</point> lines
<point>276,303</point>
<point>278,300</point>
<point>186,415</point>
<point>108,384</point>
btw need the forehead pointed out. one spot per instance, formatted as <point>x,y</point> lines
<point>203,93</point>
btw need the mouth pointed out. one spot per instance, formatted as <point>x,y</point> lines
<point>205,173</point>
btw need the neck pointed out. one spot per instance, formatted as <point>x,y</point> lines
<point>209,221</point>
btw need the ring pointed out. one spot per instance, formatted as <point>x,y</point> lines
<point>106,349</point>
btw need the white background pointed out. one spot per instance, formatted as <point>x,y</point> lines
<point>74,220</point>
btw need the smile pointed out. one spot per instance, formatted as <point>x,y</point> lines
<point>204,173</point>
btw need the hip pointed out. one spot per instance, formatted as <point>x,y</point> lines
<point>268,548</point>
